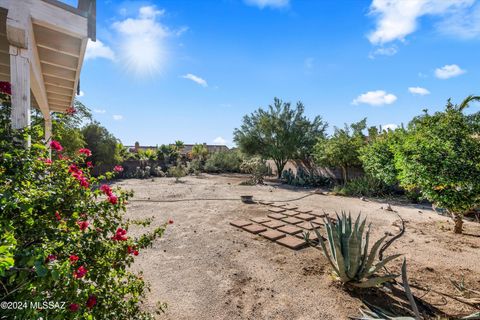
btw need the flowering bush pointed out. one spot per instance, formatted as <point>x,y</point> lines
<point>64,238</point>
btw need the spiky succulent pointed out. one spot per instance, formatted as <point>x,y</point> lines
<point>348,252</point>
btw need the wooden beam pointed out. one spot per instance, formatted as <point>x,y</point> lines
<point>58,72</point>
<point>36,76</point>
<point>52,80</point>
<point>64,98</point>
<point>56,58</point>
<point>56,18</point>
<point>79,67</point>
<point>55,41</point>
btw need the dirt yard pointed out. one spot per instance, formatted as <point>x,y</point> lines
<point>204,268</point>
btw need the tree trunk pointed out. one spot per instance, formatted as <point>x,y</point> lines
<point>458,224</point>
<point>345,174</point>
<point>280,165</point>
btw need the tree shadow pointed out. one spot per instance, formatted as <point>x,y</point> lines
<point>393,300</point>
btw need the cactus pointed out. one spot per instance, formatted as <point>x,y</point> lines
<point>348,252</point>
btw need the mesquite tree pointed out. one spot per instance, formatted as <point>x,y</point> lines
<point>280,133</point>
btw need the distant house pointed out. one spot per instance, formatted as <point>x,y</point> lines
<point>137,147</point>
<point>212,148</point>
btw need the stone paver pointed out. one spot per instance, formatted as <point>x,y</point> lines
<point>272,234</point>
<point>278,216</point>
<point>307,225</point>
<point>265,202</point>
<point>260,219</point>
<point>290,207</point>
<point>290,229</point>
<point>240,223</point>
<point>254,228</point>
<point>317,221</point>
<point>274,224</point>
<point>277,204</point>
<point>312,236</point>
<point>290,213</point>
<point>292,242</point>
<point>276,210</point>
<point>292,220</point>
<point>305,216</point>
<point>303,210</point>
<point>318,214</point>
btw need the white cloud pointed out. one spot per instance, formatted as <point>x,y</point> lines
<point>449,71</point>
<point>383,51</point>
<point>390,126</point>
<point>268,3</point>
<point>98,49</point>
<point>375,98</point>
<point>396,19</point>
<point>117,117</point>
<point>81,94</point>
<point>464,23</point>
<point>142,41</point>
<point>418,90</point>
<point>219,140</point>
<point>196,79</point>
<point>100,111</point>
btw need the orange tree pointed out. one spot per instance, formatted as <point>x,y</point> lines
<point>64,246</point>
<point>440,157</point>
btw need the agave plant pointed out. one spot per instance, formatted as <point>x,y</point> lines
<point>348,252</point>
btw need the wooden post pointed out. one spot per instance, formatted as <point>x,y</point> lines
<point>20,79</point>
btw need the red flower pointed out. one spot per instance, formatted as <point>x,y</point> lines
<point>73,259</point>
<point>80,272</point>
<point>46,161</point>
<point>58,216</point>
<point>135,252</point>
<point>51,257</point>
<point>55,145</point>
<point>170,221</point>
<point>129,249</point>
<point>71,110</point>
<point>89,164</point>
<point>84,182</point>
<point>91,302</point>
<point>85,151</point>
<point>118,169</point>
<point>5,87</point>
<point>106,189</point>
<point>83,225</point>
<point>113,199</point>
<point>120,235</point>
<point>73,307</point>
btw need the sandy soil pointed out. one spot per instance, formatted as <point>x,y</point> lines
<point>203,268</point>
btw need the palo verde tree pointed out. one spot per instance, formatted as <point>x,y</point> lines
<point>440,156</point>
<point>280,133</point>
<point>342,148</point>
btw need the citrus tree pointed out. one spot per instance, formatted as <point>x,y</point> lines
<point>65,248</point>
<point>440,157</point>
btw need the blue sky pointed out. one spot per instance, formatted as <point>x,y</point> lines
<point>189,70</point>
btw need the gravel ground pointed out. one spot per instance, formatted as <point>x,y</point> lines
<point>203,268</point>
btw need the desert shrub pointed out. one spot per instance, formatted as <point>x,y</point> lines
<point>224,161</point>
<point>348,252</point>
<point>257,168</point>
<point>105,147</point>
<point>177,171</point>
<point>195,167</point>
<point>366,186</point>
<point>378,158</point>
<point>157,171</point>
<point>64,236</point>
<point>304,178</point>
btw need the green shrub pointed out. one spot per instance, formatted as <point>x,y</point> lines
<point>177,171</point>
<point>365,186</point>
<point>348,252</point>
<point>195,167</point>
<point>257,168</point>
<point>64,236</point>
<point>305,179</point>
<point>224,161</point>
